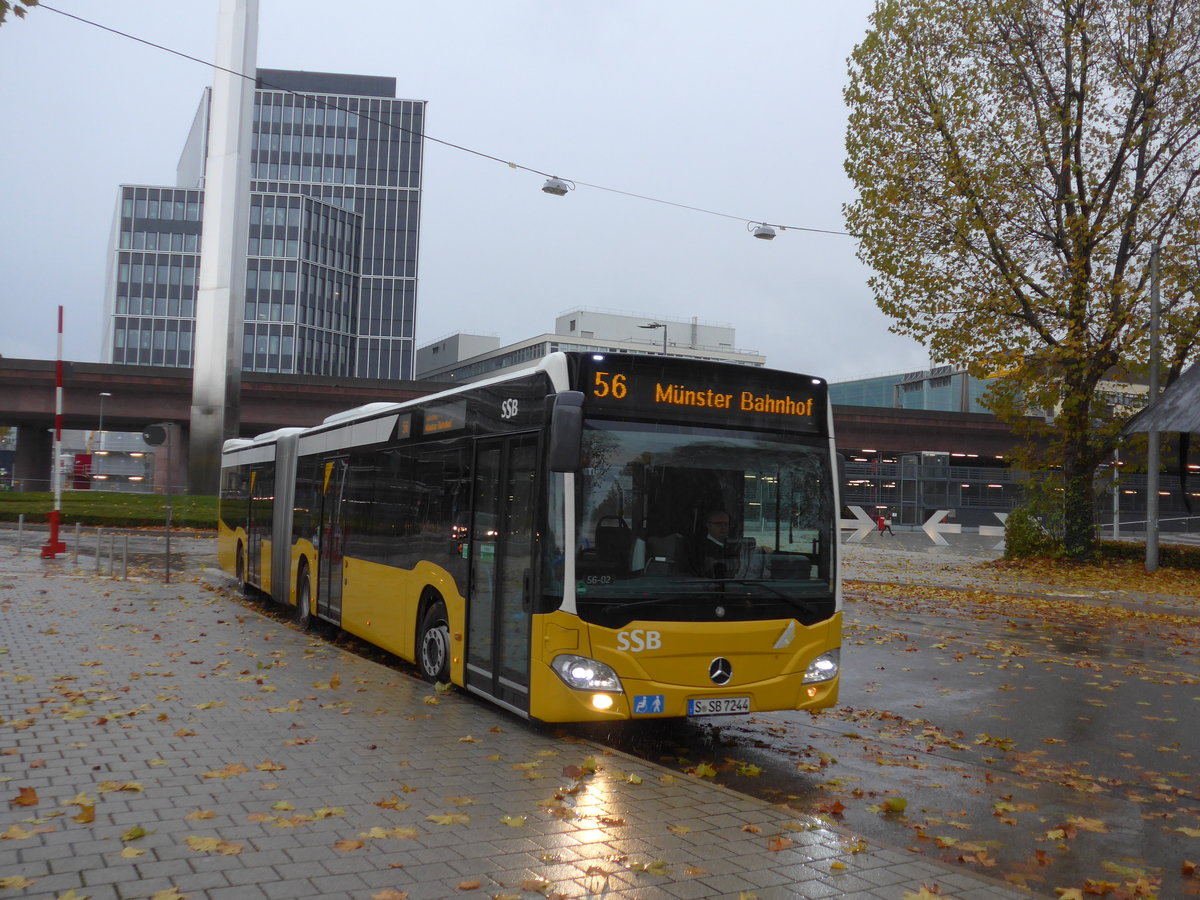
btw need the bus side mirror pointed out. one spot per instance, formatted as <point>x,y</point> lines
<point>566,431</point>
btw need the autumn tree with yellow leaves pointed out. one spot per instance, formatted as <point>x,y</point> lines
<point>17,7</point>
<point>1016,161</point>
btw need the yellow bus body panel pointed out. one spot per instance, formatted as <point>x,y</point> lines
<point>671,660</point>
<point>227,543</point>
<point>380,604</point>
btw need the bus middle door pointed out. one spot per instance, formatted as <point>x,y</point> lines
<point>258,522</point>
<point>501,554</point>
<point>329,557</point>
<point>253,536</point>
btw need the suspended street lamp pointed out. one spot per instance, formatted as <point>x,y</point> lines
<point>557,186</point>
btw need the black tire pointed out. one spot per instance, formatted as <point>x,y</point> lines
<point>240,566</point>
<point>433,644</point>
<point>303,596</point>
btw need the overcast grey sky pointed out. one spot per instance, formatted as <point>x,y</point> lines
<point>733,107</point>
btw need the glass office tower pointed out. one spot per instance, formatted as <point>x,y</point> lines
<point>335,202</point>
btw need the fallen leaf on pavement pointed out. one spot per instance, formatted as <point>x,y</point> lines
<point>392,802</point>
<point>449,819</point>
<point>107,787</point>
<point>229,771</point>
<point>26,796</point>
<point>213,845</point>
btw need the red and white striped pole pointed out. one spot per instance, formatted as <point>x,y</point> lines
<point>54,546</point>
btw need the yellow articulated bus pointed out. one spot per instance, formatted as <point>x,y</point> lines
<point>599,537</point>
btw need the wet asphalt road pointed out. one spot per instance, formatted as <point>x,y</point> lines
<point>1039,739</point>
<point>1045,739</point>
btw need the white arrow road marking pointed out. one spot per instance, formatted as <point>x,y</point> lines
<point>861,523</point>
<point>995,530</point>
<point>935,528</point>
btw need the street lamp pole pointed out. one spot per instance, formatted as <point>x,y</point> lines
<point>100,427</point>
<point>663,326</point>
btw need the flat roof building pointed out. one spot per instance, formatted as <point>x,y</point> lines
<point>471,357</point>
<point>942,388</point>
<point>331,272</point>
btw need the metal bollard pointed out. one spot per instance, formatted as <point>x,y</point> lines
<point>75,551</point>
<point>99,547</point>
<point>125,560</point>
<point>20,533</point>
<point>112,554</point>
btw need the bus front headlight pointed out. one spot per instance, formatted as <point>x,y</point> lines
<point>585,674</point>
<point>823,668</point>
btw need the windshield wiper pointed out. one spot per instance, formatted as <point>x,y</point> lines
<point>670,598</point>
<point>796,602</point>
<point>715,594</point>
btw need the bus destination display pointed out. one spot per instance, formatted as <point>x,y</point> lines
<point>753,397</point>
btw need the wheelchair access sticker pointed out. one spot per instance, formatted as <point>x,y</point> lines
<point>648,704</point>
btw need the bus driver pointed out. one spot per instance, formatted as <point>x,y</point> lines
<point>716,555</point>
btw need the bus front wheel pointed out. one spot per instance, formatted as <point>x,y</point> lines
<point>433,644</point>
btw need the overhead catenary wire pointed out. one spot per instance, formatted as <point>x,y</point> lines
<point>325,104</point>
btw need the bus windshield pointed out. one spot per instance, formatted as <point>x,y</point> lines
<point>702,524</point>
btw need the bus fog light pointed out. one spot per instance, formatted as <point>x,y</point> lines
<point>823,668</point>
<point>602,701</point>
<point>585,674</point>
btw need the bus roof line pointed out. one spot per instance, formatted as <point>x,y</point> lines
<point>553,364</point>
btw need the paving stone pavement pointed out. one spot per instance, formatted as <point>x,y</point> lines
<point>263,762</point>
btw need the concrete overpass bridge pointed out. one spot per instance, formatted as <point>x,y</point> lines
<point>141,395</point>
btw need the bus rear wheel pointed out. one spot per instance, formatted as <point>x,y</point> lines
<point>241,567</point>
<point>303,596</point>
<point>433,644</point>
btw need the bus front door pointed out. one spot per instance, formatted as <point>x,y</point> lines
<point>329,558</point>
<point>501,553</point>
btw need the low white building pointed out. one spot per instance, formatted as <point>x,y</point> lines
<point>472,357</point>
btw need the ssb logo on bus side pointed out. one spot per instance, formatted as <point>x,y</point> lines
<point>638,640</point>
<point>508,408</point>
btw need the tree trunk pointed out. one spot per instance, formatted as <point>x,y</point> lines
<point>1079,533</point>
<point>1079,464</point>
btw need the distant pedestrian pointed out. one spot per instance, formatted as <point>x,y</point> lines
<point>885,524</point>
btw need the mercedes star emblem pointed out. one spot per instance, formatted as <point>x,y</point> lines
<point>720,670</point>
